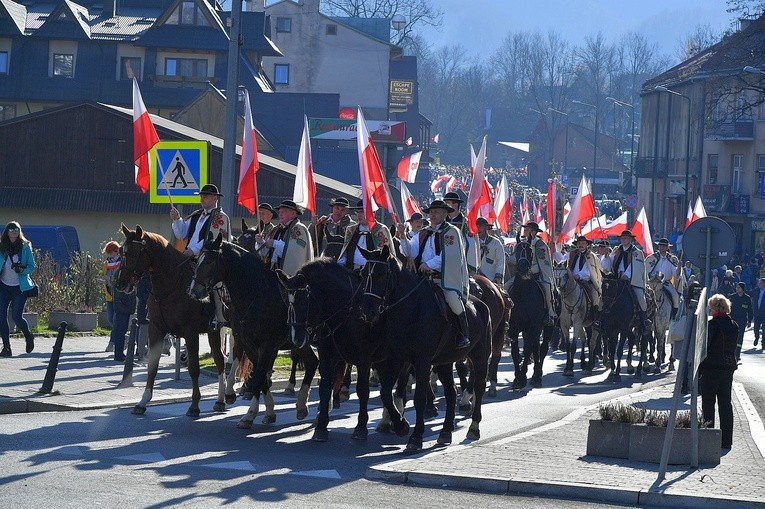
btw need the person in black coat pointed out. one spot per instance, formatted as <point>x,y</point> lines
<point>717,368</point>
<point>741,313</point>
<point>758,310</point>
<point>124,306</point>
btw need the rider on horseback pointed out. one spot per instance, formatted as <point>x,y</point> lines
<point>459,220</point>
<point>628,262</point>
<point>541,267</point>
<point>290,245</point>
<point>374,238</point>
<point>439,249</point>
<point>604,255</point>
<point>329,228</point>
<point>492,254</point>
<point>665,263</point>
<point>585,266</point>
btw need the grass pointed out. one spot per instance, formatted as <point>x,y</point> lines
<point>282,365</point>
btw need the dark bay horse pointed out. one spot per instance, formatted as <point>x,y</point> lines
<point>618,323</point>
<point>323,300</point>
<point>419,334</point>
<point>527,318</point>
<point>171,310</point>
<point>258,315</point>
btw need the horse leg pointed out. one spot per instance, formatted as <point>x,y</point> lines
<point>450,394</point>
<point>594,336</point>
<point>462,372</point>
<point>568,370</point>
<point>630,346</point>
<point>289,390</point>
<point>345,388</point>
<point>192,350</point>
<point>321,434</point>
<point>362,392</point>
<point>519,381</point>
<point>496,355</point>
<point>536,378</point>
<point>259,379</point>
<point>468,391</point>
<point>310,362</point>
<point>434,381</point>
<point>337,384</point>
<point>389,371</point>
<point>478,360</point>
<point>237,353</point>
<point>216,349</point>
<point>156,338</point>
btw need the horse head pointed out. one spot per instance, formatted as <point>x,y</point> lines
<point>523,257</point>
<point>135,259</point>
<point>298,297</point>
<point>209,269</point>
<point>247,238</point>
<point>562,274</point>
<point>376,280</point>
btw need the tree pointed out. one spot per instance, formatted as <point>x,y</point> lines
<point>746,8</point>
<point>702,37</point>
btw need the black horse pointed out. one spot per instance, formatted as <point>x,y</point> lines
<point>171,310</point>
<point>323,300</point>
<point>258,315</point>
<point>419,334</point>
<point>618,324</point>
<point>527,318</point>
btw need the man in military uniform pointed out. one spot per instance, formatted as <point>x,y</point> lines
<point>330,230</point>
<point>194,229</point>
<point>439,249</point>
<point>541,267</point>
<point>585,266</point>
<point>628,262</point>
<point>665,263</point>
<point>370,239</point>
<point>459,220</point>
<point>289,243</point>
<point>492,254</point>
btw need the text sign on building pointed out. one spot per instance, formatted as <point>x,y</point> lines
<point>400,94</point>
<point>178,171</point>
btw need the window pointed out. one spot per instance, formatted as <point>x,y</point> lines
<point>130,67</point>
<point>187,13</point>
<point>63,65</point>
<point>194,67</point>
<point>284,25</point>
<point>737,165</point>
<point>282,74</point>
<point>332,29</point>
<point>7,111</point>
<point>3,62</point>
<point>712,168</point>
<point>761,163</point>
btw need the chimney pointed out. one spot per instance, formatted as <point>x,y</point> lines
<point>743,23</point>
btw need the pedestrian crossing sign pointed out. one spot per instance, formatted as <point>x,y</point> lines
<point>178,171</point>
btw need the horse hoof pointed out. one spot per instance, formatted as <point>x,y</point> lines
<point>671,367</point>
<point>492,393</point>
<point>219,406</point>
<point>269,419</point>
<point>360,433</point>
<point>413,447</point>
<point>288,391</point>
<point>345,394</point>
<point>473,434</point>
<point>320,435</point>
<point>536,383</point>
<point>656,370</point>
<point>617,378</point>
<point>244,424</point>
<point>430,413</point>
<point>138,410</point>
<point>651,359</point>
<point>383,427</point>
<point>568,373</point>
<point>230,399</point>
<point>335,404</point>
<point>248,395</point>
<point>192,412</point>
<point>403,429</point>
<point>302,413</point>
<point>630,370</point>
<point>444,438</point>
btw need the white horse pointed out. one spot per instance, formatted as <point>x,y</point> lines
<point>660,319</point>
<point>574,313</point>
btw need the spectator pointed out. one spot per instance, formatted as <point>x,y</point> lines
<point>741,313</point>
<point>124,306</point>
<point>727,287</point>
<point>111,264</point>
<point>16,265</point>
<point>758,310</point>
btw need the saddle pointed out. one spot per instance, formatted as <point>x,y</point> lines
<point>438,293</point>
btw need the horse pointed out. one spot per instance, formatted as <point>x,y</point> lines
<point>575,309</point>
<point>528,317</point>
<point>258,316</point>
<point>323,299</point>
<point>419,334</point>
<point>618,323</point>
<point>661,319</point>
<point>171,311</point>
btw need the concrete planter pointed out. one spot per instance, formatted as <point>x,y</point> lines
<point>31,318</point>
<point>76,321</point>
<point>646,443</point>
<point>103,321</point>
<point>608,438</point>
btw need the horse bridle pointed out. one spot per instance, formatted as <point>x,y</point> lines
<point>312,330</point>
<point>208,286</point>
<point>388,288</point>
<point>134,274</point>
<point>520,255</point>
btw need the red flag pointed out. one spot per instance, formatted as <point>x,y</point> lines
<point>582,210</point>
<point>538,218</point>
<point>689,216</point>
<point>436,184</point>
<point>407,167</point>
<point>248,165</point>
<point>374,191</point>
<point>642,232</point>
<point>503,206</point>
<point>409,204</point>
<point>435,138</point>
<point>479,199</point>
<point>552,202</point>
<point>451,183</point>
<point>144,138</point>
<point>304,193</point>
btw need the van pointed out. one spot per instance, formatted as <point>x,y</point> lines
<point>59,240</point>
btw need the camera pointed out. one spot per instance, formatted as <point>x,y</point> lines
<point>17,268</point>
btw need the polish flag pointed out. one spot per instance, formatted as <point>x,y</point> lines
<point>593,229</point>
<point>479,199</point>
<point>436,184</point>
<point>566,210</point>
<point>374,189</point>
<point>698,210</point>
<point>409,141</point>
<point>583,209</point>
<point>689,216</point>
<point>407,166</point>
<point>409,204</point>
<point>435,138</point>
<point>615,227</point>
<point>538,218</point>
<point>552,201</point>
<point>451,184</point>
<point>503,207</point>
<point>642,232</point>
<point>144,138</point>
<point>543,234</point>
<point>248,167</point>
<point>473,159</point>
<point>304,193</point>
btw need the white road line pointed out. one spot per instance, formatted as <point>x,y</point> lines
<point>756,428</point>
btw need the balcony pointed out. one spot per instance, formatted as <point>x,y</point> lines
<point>651,167</point>
<point>738,130</point>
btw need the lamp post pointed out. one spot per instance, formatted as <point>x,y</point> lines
<point>660,88</point>
<point>623,104</point>
<point>594,143</point>
<point>565,150</point>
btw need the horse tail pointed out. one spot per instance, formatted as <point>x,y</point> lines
<point>245,368</point>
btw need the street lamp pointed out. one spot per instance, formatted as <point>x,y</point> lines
<point>565,151</point>
<point>632,136</point>
<point>661,88</point>
<point>594,143</point>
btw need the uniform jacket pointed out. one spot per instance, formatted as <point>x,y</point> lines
<point>298,247</point>
<point>471,249</point>
<point>27,260</point>
<point>541,264</point>
<point>741,308</point>
<point>593,265</point>
<point>380,235</point>
<point>454,273</point>
<point>218,223</point>
<point>636,258</point>
<point>653,260</point>
<point>492,259</point>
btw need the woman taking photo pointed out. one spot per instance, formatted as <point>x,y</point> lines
<point>16,264</point>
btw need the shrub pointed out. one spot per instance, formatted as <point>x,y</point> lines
<point>619,412</point>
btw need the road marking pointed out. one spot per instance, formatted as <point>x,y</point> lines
<point>233,465</point>
<point>756,428</point>
<point>324,474</point>
<point>69,450</point>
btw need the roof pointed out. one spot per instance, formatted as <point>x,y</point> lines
<point>17,14</point>
<point>59,22</point>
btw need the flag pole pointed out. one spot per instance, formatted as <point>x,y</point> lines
<point>167,188</point>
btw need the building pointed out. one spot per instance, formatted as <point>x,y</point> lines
<point>703,133</point>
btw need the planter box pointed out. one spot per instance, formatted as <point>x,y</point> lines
<point>646,443</point>
<point>608,438</point>
<point>76,321</point>
<point>31,319</point>
<point>103,321</point>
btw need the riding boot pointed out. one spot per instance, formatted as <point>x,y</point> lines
<point>673,314</point>
<point>462,339</point>
<point>644,319</point>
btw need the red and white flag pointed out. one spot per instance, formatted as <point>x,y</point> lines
<point>451,183</point>
<point>642,232</point>
<point>503,206</point>
<point>543,234</point>
<point>248,167</point>
<point>538,217</point>
<point>689,216</point>
<point>593,229</point>
<point>407,166</point>
<point>479,199</point>
<point>615,227</point>
<point>144,139</point>
<point>583,209</point>
<point>552,201</point>
<point>409,141</point>
<point>374,189</point>
<point>436,184</point>
<point>435,138</point>
<point>304,193</point>
<point>409,204</point>
<point>566,210</point>
<point>473,159</point>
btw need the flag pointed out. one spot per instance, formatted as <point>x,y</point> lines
<point>615,227</point>
<point>409,141</point>
<point>543,234</point>
<point>144,138</point>
<point>473,159</point>
<point>698,210</point>
<point>642,232</point>
<point>479,199</point>
<point>374,189</point>
<point>582,210</point>
<point>435,138</point>
<point>538,218</point>
<point>566,210</point>
<point>436,184</point>
<point>451,183</point>
<point>304,193</point>
<point>689,216</point>
<point>552,202</point>
<point>409,204</point>
<point>407,166</point>
<point>593,229</point>
<point>503,207</point>
<point>248,166</point>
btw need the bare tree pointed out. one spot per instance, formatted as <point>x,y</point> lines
<point>746,8</point>
<point>702,37</point>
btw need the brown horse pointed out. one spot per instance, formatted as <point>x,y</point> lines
<point>171,310</point>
